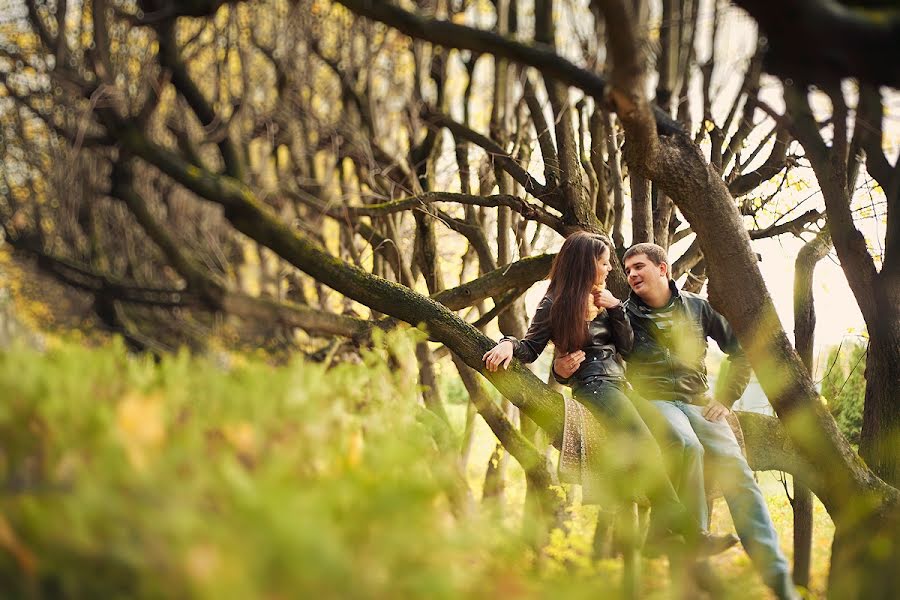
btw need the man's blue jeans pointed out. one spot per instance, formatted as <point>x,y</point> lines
<point>692,438</point>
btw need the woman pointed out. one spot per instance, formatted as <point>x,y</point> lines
<point>588,326</point>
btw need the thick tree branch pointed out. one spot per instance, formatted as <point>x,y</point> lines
<point>769,448</point>
<point>249,216</point>
<point>520,274</point>
<point>627,90</point>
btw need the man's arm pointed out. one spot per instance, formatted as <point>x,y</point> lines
<point>735,373</point>
<point>621,331</point>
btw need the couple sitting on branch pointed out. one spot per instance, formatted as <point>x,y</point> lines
<point>662,333</point>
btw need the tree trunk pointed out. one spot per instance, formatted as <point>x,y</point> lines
<point>804,337</point>
<point>641,209</point>
<point>494,476</point>
<point>662,213</point>
<point>802,505</point>
<point>880,436</point>
<point>542,504</point>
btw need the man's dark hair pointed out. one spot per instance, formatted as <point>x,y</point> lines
<point>656,254</point>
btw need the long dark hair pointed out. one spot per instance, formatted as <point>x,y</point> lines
<point>572,276</point>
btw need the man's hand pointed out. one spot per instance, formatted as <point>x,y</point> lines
<point>565,365</point>
<point>715,411</point>
<point>499,355</point>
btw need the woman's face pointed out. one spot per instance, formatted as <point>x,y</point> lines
<point>603,267</point>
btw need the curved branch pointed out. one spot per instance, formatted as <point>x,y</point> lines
<point>181,79</point>
<point>520,274</point>
<point>688,260</point>
<point>500,157</point>
<point>529,211</point>
<point>204,284</point>
<point>830,166</point>
<point>542,129</point>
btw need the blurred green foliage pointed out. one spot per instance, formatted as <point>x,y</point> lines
<point>844,386</point>
<point>126,478</point>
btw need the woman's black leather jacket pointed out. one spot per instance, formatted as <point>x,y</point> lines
<point>609,333</point>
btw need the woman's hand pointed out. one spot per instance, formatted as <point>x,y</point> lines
<point>501,354</point>
<point>565,365</point>
<point>604,299</point>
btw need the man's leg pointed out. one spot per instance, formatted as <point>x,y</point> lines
<point>682,448</point>
<point>745,501</point>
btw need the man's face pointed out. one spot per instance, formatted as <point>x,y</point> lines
<point>644,277</point>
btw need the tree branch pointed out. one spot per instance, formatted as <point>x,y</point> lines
<point>794,226</point>
<point>830,166</point>
<point>500,157</point>
<point>520,274</point>
<point>181,79</point>
<point>252,218</point>
<point>773,164</point>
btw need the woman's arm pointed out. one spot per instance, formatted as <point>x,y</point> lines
<point>529,347</point>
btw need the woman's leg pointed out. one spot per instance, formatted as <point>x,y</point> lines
<point>635,461</point>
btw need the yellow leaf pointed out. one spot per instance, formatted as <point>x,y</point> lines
<point>355,447</point>
<point>141,426</point>
<point>203,562</point>
<point>242,436</point>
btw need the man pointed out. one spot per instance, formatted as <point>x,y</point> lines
<point>667,366</point>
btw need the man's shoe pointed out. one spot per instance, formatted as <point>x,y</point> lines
<point>709,544</point>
